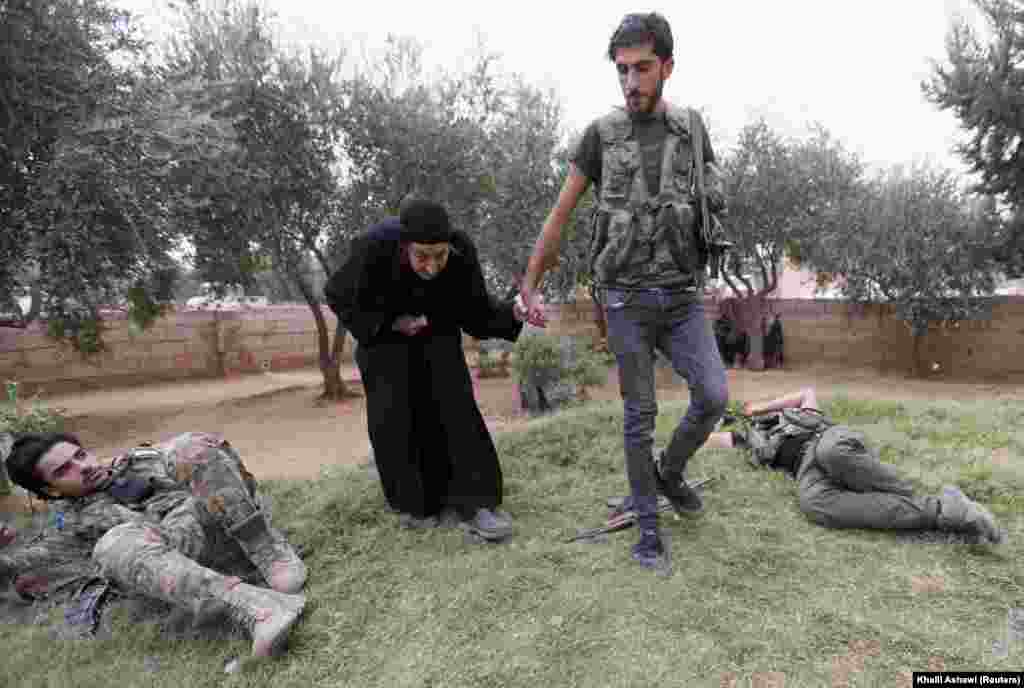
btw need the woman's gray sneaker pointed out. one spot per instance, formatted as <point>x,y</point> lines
<point>490,525</point>
<point>416,523</point>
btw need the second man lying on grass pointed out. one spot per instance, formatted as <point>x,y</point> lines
<point>842,482</point>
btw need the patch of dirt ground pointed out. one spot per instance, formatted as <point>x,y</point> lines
<point>275,422</point>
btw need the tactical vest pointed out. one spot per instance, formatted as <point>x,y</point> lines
<point>775,428</point>
<point>643,237</point>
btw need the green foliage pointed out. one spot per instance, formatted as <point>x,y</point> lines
<point>143,308</point>
<point>779,192</point>
<point>19,416</point>
<point>491,364</point>
<point>913,239</point>
<point>862,412</point>
<point>94,139</point>
<point>84,332</point>
<point>981,83</point>
<point>591,368</point>
<point>537,354</point>
<point>541,357</point>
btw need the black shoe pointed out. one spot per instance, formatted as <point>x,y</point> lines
<point>683,498</point>
<point>650,551</point>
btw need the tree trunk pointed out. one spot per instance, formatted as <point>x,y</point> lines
<point>755,360</point>
<point>335,388</point>
<point>749,316</point>
<point>916,368</point>
<point>330,356</point>
<point>602,326</point>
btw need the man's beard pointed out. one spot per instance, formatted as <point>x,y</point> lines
<point>646,104</point>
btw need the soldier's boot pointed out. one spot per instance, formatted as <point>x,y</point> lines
<point>230,502</point>
<point>267,548</point>
<point>268,615</point>
<point>960,514</point>
<point>142,559</point>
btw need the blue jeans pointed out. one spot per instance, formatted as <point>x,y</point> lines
<point>675,324</point>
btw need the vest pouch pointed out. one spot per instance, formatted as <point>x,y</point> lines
<point>674,227</point>
<point>619,164</point>
<point>620,245</point>
<point>598,238</point>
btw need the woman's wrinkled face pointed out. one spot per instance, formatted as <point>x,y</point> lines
<point>428,260</point>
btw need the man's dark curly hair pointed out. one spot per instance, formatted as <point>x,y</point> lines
<point>637,29</point>
<point>27,450</point>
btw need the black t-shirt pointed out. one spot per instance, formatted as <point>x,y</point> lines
<point>791,453</point>
<point>650,131</point>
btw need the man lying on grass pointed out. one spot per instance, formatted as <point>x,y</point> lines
<point>842,483</point>
<point>164,522</point>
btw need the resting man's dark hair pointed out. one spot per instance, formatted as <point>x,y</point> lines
<point>27,450</point>
<point>637,29</point>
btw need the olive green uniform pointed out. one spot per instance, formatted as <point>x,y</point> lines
<point>843,484</point>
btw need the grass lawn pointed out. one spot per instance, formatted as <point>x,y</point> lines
<point>757,595</point>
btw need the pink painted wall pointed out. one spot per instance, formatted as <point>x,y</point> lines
<point>209,344</point>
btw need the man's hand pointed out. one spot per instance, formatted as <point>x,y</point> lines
<point>7,535</point>
<point>529,307</point>
<point>409,325</point>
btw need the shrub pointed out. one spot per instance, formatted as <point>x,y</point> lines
<point>15,417</point>
<point>543,357</point>
<point>490,364</point>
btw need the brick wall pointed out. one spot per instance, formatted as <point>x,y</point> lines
<point>821,331</point>
<point>836,333</point>
<point>209,344</point>
<point>180,345</point>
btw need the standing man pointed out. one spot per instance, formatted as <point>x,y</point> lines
<point>647,263</point>
<point>410,288</point>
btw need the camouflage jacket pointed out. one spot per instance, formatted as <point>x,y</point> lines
<point>62,551</point>
<point>648,237</point>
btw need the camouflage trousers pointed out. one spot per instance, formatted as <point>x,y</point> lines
<point>141,559</point>
<point>198,527</point>
<point>844,485</point>
<point>223,495</point>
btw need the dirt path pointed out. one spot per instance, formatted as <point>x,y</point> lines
<point>282,433</point>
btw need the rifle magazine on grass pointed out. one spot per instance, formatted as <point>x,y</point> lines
<point>623,519</point>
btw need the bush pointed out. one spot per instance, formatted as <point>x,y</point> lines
<point>490,364</point>
<point>15,417</point>
<point>543,357</point>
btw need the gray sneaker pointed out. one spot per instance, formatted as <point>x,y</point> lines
<point>411,522</point>
<point>490,525</point>
<point>964,515</point>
